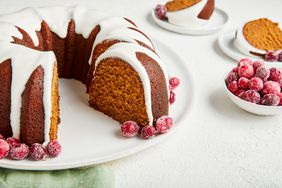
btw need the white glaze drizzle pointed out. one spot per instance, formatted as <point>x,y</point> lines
<point>127,52</point>
<point>57,18</point>
<point>21,72</point>
<point>243,45</point>
<point>188,16</point>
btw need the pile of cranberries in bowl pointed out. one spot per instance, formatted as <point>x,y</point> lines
<point>254,82</point>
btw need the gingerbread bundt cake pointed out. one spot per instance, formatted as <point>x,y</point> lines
<point>192,13</point>
<point>124,76</point>
<point>257,37</point>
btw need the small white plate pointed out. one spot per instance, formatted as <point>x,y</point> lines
<point>226,44</point>
<point>262,110</point>
<point>217,21</point>
<point>90,137</point>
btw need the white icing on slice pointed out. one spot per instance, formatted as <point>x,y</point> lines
<point>188,16</point>
<point>21,72</point>
<point>27,19</point>
<point>243,45</point>
<point>127,52</point>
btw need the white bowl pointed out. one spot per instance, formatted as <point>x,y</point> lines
<point>251,107</point>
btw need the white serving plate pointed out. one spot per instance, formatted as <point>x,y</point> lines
<point>261,110</point>
<point>226,44</point>
<point>217,21</point>
<point>90,137</point>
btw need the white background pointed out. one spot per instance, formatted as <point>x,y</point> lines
<point>221,145</point>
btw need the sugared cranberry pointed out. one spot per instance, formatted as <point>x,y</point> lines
<point>2,137</point>
<point>243,83</point>
<point>163,124</point>
<point>275,74</point>
<point>232,76</point>
<point>280,96</point>
<point>4,148</point>
<point>173,83</point>
<point>129,129</point>
<point>272,56</point>
<point>235,69</point>
<point>280,56</point>
<point>233,87</point>
<point>54,148</point>
<point>13,142</point>
<point>256,84</point>
<point>20,152</point>
<point>262,73</point>
<point>271,87</point>
<point>172,97</point>
<point>245,61</point>
<point>251,96</point>
<point>37,152</point>
<point>270,100</point>
<point>148,132</point>
<point>246,70</point>
<point>160,11</point>
<point>258,64</point>
<point>240,93</point>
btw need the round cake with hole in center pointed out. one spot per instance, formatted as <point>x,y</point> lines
<point>123,75</point>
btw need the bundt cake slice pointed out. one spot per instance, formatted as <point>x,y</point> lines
<point>259,36</point>
<point>192,13</point>
<point>130,83</point>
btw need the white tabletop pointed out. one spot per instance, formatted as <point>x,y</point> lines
<point>221,145</point>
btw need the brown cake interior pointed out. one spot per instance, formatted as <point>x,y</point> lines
<point>263,34</point>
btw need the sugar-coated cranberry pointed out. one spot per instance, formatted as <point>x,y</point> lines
<point>2,137</point>
<point>262,73</point>
<point>37,152</point>
<point>4,148</point>
<point>235,69</point>
<point>280,96</point>
<point>280,56</point>
<point>245,61</point>
<point>13,142</point>
<point>233,87</point>
<point>240,93</point>
<point>173,83</point>
<point>172,97</point>
<point>232,76</point>
<point>54,148</point>
<point>271,87</point>
<point>148,132</point>
<point>256,84</point>
<point>270,100</point>
<point>251,96</point>
<point>272,56</point>
<point>20,152</point>
<point>163,124</point>
<point>275,74</point>
<point>160,11</point>
<point>258,64</point>
<point>246,70</point>
<point>129,129</point>
<point>243,83</point>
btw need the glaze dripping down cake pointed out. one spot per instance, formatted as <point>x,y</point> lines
<point>123,75</point>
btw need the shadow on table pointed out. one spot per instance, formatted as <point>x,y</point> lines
<point>219,52</point>
<point>224,106</point>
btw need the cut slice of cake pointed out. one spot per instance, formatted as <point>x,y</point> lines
<point>257,37</point>
<point>192,13</point>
